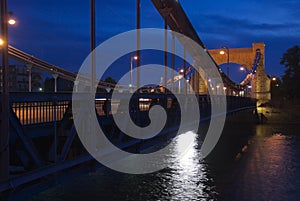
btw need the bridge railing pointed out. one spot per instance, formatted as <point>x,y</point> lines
<point>37,108</point>
<point>39,112</point>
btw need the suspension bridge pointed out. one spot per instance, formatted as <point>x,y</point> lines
<point>42,141</point>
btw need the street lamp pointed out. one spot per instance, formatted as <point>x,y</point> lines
<point>131,61</point>
<point>180,72</point>
<point>11,21</point>
<point>222,52</point>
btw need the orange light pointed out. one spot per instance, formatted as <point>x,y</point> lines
<point>12,21</point>
<point>222,52</point>
<point>274,78</point>
<point>1,42</point>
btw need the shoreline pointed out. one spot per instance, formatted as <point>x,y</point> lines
<point>287,112</point>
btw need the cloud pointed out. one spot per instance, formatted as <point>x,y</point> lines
<point>217,24</point>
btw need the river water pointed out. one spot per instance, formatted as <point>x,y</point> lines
<point>250,162</point>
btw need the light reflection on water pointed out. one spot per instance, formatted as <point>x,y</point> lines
<point>268,169</point>
<point>189,173</point>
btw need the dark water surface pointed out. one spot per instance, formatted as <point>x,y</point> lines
<point>251,162</point>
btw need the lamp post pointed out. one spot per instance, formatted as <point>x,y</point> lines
<point>138,41</point>
<point>131,61</point>
<point>274,87</point>
<point>222,52</point>
<point>92,42</point>
<point>180,72</point>
<point>246,88</point>
<point>4,135</point>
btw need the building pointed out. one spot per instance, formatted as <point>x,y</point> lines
<point>19,79</point>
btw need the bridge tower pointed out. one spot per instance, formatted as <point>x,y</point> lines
<point>245,56</point>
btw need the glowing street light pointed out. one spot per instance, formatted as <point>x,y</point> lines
<point>131,60</point>
<point>11,21</point>
<point>1,42</point>
<point>225,50</point>
<point>244,69</point>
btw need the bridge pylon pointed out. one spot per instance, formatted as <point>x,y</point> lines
<point>260,84</point>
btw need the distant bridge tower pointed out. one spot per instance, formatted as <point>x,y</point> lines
<point>245,56</point>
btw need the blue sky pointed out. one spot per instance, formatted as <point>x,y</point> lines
<point>58,31</point>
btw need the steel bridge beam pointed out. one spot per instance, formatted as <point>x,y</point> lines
<point>177,20</point>
<point>49,68</point>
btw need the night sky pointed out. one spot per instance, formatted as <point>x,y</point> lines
<point>58,31</point>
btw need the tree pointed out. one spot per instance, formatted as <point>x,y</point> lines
<point>291,78</point>
<point>49,85</point>
<point>110,80</point>
<point>107,80</point>
<point>63,85</point>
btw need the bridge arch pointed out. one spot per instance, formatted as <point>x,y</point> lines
<point>243,56</point>
<point>261,82</point>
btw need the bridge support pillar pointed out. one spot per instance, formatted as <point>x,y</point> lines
<point>76,82</point>
<point>261,82</point>
<point>55,76</point>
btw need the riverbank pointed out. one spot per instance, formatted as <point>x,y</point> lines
<point>287,112</point>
